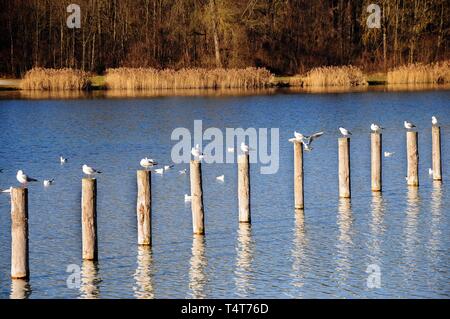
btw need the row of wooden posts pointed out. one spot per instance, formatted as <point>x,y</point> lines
<point>19,196</point>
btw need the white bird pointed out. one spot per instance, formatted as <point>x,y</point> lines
<point>187,198</point>
<point>48,182</point>
<point>430,171</point>
<point>183,171</point>
<point>305,139</point>
<point>147,162</point>
<point>62,160</point>
<point>388,154</point>
<point>345,132</point>
<point>376,128</point>
<point>167,167</point>
<point>159,171</point>
<point>434,120</point>
<point>245,148</point>
<point>221,178</point>
<point>230,150</point>
<point>23,178</point>
<point>89,170</point>
<point>8,190</point>
<point>195,151</point>
<point>408,125</point>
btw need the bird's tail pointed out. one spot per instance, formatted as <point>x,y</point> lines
<point>99,172</point>
<point>32,180</point>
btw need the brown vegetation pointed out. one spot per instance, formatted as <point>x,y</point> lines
<point>334,76</point>
<point>436,73</point>
<point>148,79</point>
<point>52,79</point>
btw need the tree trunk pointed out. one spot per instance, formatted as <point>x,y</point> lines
<point>213,8</point>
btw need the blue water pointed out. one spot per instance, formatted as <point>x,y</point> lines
<point>321,253</point>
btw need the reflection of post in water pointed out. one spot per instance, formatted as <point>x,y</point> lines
<point>244,269</point>
<point>20,289</point>
<point>436,215</point>
<point>345,241</point>
<point>197,271</point>
<point>143,288</point>
<point>410,229</point>
<point>298,250</point>
<point>376,228</point>
<point>89,280</point>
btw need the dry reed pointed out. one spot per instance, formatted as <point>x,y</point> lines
<point>55,79</point>
<point>335,76</point>
<point>149,79</point>
<point>436,73</point>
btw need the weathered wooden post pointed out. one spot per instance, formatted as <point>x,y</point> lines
<point>198,216</point>
<point>144,207</point>
<point>413,158</point>
<point>244,188</point>
<point>376,151</point>
<point>89,218</point>
<point>19,234</point>
<point>298,175</point>
<point>344,167</point>
<point>436,150</point>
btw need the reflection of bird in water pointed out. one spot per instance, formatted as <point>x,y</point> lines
<point>197,271</point>
<point>143,288</point>
<point>89,287</point>
<point>20,289</point>
<point>244,259</point>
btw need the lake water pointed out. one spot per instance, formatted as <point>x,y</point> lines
<point>323,252</point>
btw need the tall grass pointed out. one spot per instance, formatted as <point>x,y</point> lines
<point>55,79</point>
<point>148,78</point>
<point>334,76</point>
<point>437,73</point>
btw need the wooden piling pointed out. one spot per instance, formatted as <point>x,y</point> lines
<point>244,188</point>
<point>344,167</point>
<point>413,158</point>
<point>89,218</point>
<point>298,175</point>
<point>19,234</point>
<point>376,168</point>
<point>144,207</point>
<point>436,153</point>
<point>198,216</point>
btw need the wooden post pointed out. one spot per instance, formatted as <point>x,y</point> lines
<point>144,207</point>
<point>244,188</point>
<point>19,234</point>
<point>198,215</point>
<point>413,158</point>
<point>89,218</point>
<point>376,151</point>
<point>436,146</point>
<point>344,167</point>
<point>298,175</point>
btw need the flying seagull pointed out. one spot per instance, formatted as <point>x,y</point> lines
<point>408,125</point>
<point>23,178</point>
<point>345,132</point>
<point>305,139</point>
<point>89,170</point>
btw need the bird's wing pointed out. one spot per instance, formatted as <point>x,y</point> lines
<point>315,135</point>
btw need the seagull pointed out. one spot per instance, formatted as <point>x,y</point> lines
<point>183,171</point>
<point>376,128</point>
<point>230,150</point>
<point>147,162</point>
<point>305,139</point>
<point>434,120</point>
<point>408,125</point>
<point>195,151</point>
<point>8,190</point>
<point>167,167</point>
<point>430,171</point>
<point>345,132</point>
<point>48,182</point>
<point>23,178</point>
<point>245,148</point>
<point>62,160</point>
<point>159,171</point>
<point>221,178</point>
<point>89,170</point>
<point>388,154</point>
<point>187,198</point>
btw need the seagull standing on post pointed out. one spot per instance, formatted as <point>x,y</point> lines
<point>89,170</point>
<point>434,121</point>
<point>345,132</point>
<point>376,128</point>
<point>195,151</point>
<point>408,125</point>
<point>23,178</point>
